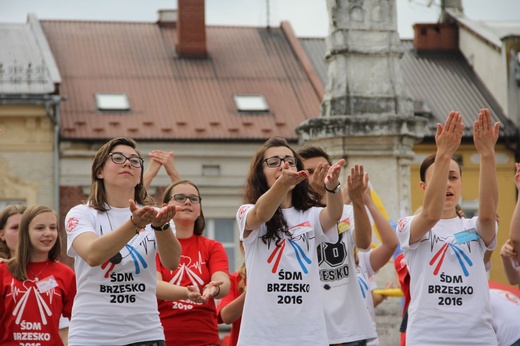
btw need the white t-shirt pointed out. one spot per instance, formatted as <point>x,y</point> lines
<point>505,307</point>
<point>365,275</point>
<point>115,304</point>
<point>283,303</point>
<point>448,285</point>
<point>346,316</point>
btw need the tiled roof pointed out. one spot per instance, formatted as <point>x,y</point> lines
<point>438,83</point>
<point>26,63</point>
<point>173,97</point>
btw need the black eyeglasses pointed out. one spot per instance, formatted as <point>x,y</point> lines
<point>181,198</point>
<point>275,161</point>
<point>119,158</point>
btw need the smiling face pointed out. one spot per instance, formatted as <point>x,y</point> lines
<point>272,173</point>
<point>453,188</point>
<point>43,232</point>
<point>190,210</point>
<point>121,174</point>
<point>10,233</point>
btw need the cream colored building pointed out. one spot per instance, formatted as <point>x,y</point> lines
<point>29,109</point>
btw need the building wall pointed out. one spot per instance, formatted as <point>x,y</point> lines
<point>470,179</point>
<point>26,155</point>
<point>488,63</point>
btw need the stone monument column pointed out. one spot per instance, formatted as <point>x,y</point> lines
<point>367,117</point>
<point>367,114</point>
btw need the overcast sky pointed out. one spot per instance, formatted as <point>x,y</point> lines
<point>308,17</point>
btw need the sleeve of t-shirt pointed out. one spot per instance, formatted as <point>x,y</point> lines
<point>234,279</point>
<point>364,262</point>
<point>403,234</point>
<point>218,260</point>
<point>78,220</point>
<point>241,220</point>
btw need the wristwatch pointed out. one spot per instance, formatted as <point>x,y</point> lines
<point>161,228</point>
<point>336,190</point>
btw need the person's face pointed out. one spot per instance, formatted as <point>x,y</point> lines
<point>311,164</point>
<point>10,233</point>
<point>43,232</point>
<point>121,173</point>
<point>190,210</point>
<point>272,173</point>
<point>454,187</point>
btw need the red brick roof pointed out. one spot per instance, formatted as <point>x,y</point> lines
<point>173,97</point>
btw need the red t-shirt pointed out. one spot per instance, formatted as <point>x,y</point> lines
<point>186,322</point>
<point>233,294</point>
<point>30,310</point>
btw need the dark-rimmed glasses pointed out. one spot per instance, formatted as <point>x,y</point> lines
<point>275,161</point>
<point>119,159</point>
<point>181,198</point>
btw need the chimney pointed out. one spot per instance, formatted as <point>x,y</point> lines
<point>191,28</point>
<point>436,36</point>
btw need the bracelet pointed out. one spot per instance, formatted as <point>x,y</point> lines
<point>335,190</point>
<point>216,294</point>
<point>137,227</point>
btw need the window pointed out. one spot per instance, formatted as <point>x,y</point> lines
<point>112,102</point>
<point>224,231</point>
<point>211,170</point>
<point>251,103</point>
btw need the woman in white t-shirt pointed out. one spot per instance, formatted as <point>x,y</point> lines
<point>280,227</point>
<point>444,253</point>
<point>114,238</point>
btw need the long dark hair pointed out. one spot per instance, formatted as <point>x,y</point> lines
<point>200,223</point>
<point>18,267</point>
<point>303,197</point>
<point>98,194</point>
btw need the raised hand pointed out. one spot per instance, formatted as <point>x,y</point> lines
<point>357,182</point>
<point>291,178</point>
<point>449,136</point>
<point>331,179</point>
<point>485,133</point>
<point>317,179</point>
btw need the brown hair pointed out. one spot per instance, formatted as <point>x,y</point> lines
<point>303,197</point>
<point>18,267</point>
<point>313,151</point>
<point>98,197</point>
<point>6,213</point>
<point>200,223</point>
<point>427,162</point>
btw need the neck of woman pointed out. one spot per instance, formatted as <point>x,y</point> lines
<point>184,230</point>
<point>119,198</point>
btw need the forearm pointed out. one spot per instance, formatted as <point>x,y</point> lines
<point>167,291</point>
<point>488,198</point>
<point>362,226</point>
<point>266,206</point>
<point>169,248</point>
<point>386,232</point>
<point>224,288</point>
<point>512,274</point>
<point>435,193</point>
<point>331,214</point>
<point>233,311</point>
<point>96,250</point>
<point>514,229</point>
<point>150,174</point>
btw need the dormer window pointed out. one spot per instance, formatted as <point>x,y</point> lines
<point>251,103</point>
<point>112,102</point>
